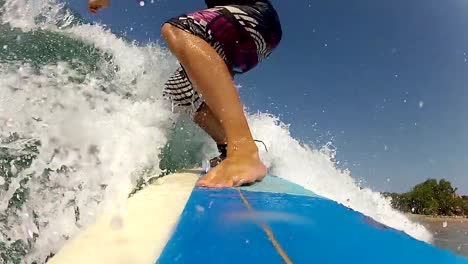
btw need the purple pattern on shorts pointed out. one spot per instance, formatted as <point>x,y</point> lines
<point>237,43</point>
<point>204,15</point>
<point>241,35</point>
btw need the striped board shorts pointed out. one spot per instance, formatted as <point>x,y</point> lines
<point>243,35</point>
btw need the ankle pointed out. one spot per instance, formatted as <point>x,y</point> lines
<point>242,147</point>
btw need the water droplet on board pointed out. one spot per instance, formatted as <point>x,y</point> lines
<point>200,208</point>
<point>116,222</point>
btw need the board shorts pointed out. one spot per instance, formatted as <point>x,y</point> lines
<point>243,35</point>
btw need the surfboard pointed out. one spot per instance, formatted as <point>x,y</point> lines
<point>274,221</point>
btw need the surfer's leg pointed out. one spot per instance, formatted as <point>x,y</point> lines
<point>180,91</point>
<point>205,119</point>
<point>212,79</point>
<point>211,45</point>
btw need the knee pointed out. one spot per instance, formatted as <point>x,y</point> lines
<point>169,33</point>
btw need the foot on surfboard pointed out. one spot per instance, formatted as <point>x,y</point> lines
<point>239,169</point>
<point>207,165</point>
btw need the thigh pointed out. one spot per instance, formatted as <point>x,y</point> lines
<point>242,35</point>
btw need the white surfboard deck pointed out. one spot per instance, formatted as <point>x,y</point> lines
<point>150,217</point>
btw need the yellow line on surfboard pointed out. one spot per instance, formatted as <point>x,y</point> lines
<point>268,232</point>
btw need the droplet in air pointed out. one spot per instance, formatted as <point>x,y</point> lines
<point>421,104</point>
<point>142,3</point>
<point>30,233</point>
<point>13,168</point>
<point>444,224</point>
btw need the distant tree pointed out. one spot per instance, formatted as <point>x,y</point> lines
<point>423,198</point>
<point>447,197</point>
<point>458,207</point>
<point>431,197</point>
<point>465,207</point>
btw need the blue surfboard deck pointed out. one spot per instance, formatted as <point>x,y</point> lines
<point>277,221</point>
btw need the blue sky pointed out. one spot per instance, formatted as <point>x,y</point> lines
<point>386,80</point>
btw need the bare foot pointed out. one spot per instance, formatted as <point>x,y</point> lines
<point>235,171</point>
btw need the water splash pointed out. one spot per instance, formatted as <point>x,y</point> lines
<point>95,130</point>
<point>316,170</point>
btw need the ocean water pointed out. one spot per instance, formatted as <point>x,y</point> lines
<point>448,233</point>
<point>82,123</point>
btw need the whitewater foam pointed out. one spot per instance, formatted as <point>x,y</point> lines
<point>316,170</point>
<point>98,131</point>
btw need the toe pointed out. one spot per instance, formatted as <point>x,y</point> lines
<point>201,183</point>
<point>242,182</point>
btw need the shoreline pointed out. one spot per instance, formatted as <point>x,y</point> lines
<point>436,217</point>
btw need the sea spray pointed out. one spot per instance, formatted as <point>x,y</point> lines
<point>89,103</point>
<point>316,170</point>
